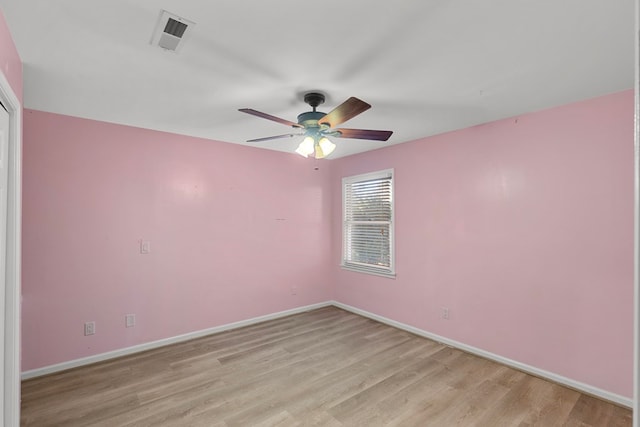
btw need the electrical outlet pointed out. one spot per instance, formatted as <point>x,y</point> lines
<point>294,290</point>
<point>130,320</point>
<point>445,313</point>
<point>89,328</point>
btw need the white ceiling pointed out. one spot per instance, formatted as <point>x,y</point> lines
<point>426,67</point>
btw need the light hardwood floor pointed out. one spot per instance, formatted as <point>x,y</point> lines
<point>325,367</point>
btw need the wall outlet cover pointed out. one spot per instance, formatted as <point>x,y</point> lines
<point>89,328</point>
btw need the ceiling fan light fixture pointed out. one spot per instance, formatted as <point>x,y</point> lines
<point>323,147</point>
<point>306,147</point>
<point>326,146</point>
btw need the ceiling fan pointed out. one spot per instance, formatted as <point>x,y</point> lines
<point>318,126</point>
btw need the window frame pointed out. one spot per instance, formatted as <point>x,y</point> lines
<point>389,272</point>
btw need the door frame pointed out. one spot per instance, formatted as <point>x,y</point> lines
<point>636,217</point>
<point>11,312</point>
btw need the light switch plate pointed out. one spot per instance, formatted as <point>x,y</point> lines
<point>130,320</point>
<point>145,247</point>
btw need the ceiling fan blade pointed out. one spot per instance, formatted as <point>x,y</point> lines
<point>343,112</point>
<point>267,138</point>
<point>269,117</point>
<point>376,135</point>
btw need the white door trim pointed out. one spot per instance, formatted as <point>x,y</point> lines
<point>11,386</point>
<point>636,233</point>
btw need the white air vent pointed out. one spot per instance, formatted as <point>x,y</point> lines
<point>171,31</point>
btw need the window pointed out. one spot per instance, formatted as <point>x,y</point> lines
<point>367,234</point>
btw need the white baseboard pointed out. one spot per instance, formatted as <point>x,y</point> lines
<point>577,385</point>
<point>160,343</point>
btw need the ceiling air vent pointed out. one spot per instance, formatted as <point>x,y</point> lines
<point>171,31</point>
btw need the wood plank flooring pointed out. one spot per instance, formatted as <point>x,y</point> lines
<point>326,367</point>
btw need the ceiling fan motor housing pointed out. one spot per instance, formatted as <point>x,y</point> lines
<point>310,119</point>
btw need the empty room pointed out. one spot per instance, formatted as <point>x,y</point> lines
<point>365,213</point>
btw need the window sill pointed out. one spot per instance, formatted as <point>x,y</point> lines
<point>388,275</point>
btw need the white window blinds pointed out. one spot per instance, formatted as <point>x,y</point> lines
<point>368,223</point>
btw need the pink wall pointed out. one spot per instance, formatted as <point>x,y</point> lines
<point>523,228</point>
<point>231,228</point>
<point>10,64</point>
